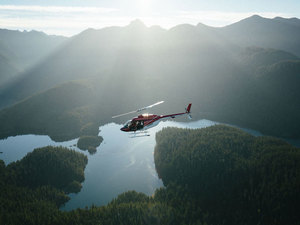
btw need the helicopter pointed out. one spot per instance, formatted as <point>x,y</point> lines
<point>145,121</point>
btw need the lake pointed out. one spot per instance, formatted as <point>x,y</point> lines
<point>121,162</point>
<point>15,148</point>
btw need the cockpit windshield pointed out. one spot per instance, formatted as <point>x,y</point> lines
<point>127,124</point>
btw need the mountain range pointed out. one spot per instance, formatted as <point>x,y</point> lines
<point>246,73</point>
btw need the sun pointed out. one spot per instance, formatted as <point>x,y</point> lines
<point>144,7</point>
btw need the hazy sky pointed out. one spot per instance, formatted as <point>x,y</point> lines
<point>69,17</point>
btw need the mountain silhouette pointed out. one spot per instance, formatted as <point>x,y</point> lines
<point>277,33</point>
<point>223,71</point>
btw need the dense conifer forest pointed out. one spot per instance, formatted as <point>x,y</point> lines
<point>232,176</point>
<point>215,175</point>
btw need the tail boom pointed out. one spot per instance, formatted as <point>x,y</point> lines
<point>187,111</point>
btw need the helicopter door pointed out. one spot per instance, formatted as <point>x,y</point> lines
<point>140,125</point>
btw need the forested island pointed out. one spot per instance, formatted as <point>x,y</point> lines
<point>89,143</point>
<point>215,175</point>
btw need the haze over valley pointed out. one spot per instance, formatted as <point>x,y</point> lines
<point>252,82</point>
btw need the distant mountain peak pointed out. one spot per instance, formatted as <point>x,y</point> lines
<point>255,16</point>
<point>202,25</point>
<point>137,23</point>
<point>254,19</point>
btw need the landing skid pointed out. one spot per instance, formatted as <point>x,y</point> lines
<point>140,134</point>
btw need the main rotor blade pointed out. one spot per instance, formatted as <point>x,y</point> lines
<point>150,106</point>
<point>141,109</point>
<point>124,114</point>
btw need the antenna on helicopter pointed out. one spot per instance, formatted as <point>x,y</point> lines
<point>139,110</point>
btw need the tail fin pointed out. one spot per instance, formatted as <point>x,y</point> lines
<point>188,109</point>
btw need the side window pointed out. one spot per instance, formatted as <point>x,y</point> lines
<point>140,125</point>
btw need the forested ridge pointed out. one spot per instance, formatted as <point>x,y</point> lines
<point>215,175</point>
<point>234,177</point>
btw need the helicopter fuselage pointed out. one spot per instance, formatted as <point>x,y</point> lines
<point>146,121</point>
